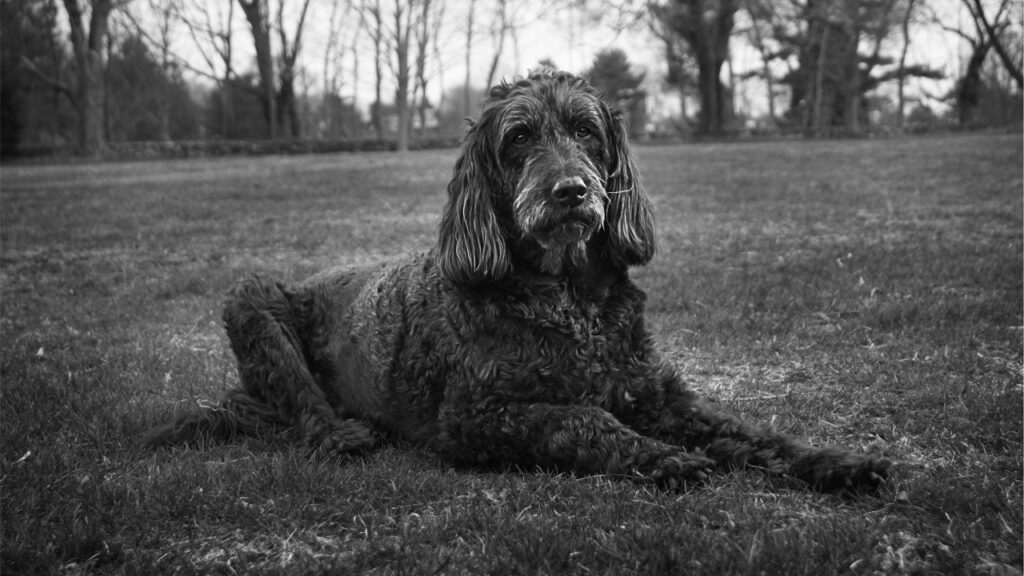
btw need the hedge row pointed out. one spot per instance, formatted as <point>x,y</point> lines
<point>211,148</point>
<point>215,148</point>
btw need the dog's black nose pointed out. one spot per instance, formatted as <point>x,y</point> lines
<point>570,191</point>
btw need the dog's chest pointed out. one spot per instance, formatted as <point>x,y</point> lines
<point>553,347</point>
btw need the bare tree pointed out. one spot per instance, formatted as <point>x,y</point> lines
<point>971,86</point>
<point>166,11</point>
<point>89,91</point>
<point>839,51</point>
<point>391,27</point>
<point>500,27</point>
<point>258,14</point>
<point>467,86</point>
<point>901,97</point>
<point>427,28</point>
<point>335,48</point>
<point>506,21</point>
<point>334,53</point>
<point>706,26</point>
<point>372,17</point>
<point>32,43</point>
<point>436,50</point>
<point>762,16</point>
<point>287,111</point>
<point>164,14</point>
<point>838,29</point>
<point>211,34</point>
<point>400,33</point>
<point>354,50</point>
<point>992,28</point>
<point>876,27</point>
<point>680,68</point>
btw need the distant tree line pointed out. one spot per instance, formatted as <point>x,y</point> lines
<point>81,74</point>
<point>835,54</point>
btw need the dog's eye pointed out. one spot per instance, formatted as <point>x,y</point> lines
<point>583,132</point>
<point>520,139</point>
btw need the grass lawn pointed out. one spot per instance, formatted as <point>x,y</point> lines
<point>859,293</point>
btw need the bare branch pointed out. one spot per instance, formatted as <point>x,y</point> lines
<point>297,43</point>
<point>883,31</point>
<point>74,11</point>
<point>334,49</point>
<point>199,45</point>
<point>49,80</point>
<point>997,43</point>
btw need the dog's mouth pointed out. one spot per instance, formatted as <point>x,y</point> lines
<point>562,235</point>
<point>567,226</point>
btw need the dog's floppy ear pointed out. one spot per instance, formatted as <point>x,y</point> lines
<point>630,217</point>
<point>470,247</point>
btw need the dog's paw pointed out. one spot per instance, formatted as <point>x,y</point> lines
<point>679,470</point>
<point>342,439</point>
<point>834,470</point>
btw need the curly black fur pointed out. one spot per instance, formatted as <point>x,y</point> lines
<point>519,339</point>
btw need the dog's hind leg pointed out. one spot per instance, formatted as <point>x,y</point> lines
<point>266,330</point>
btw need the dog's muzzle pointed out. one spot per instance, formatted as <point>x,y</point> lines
<point>559,202</point>
<point>569,192</point>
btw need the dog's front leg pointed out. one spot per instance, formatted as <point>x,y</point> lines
<point>679,416</point>
<point>580,439</point>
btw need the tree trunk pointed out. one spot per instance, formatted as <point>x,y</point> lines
<point>765,63</point>
<point>165,101</point>
<point>90,91</point>
<point>819,83</point>
<point>226,107</point>
<point>708,85</point>
<point>259,21</point>
<point>901,99</point>
<point>968,92</point>
<point>165,15</point>
<point>287,108</point>
<point>422,42</point>
<point>90,138</point>
<point>355,69</point>
<point>729,96</point>
<point>707,32</point>
<point>852,95</point>
<point>402,31</point>
<point>106,94</point>
<point>500,47</point>
<point>165,120</point>
<point>287,115</point>
<point>376,112</point>
<point>467,90</point>
<point>996,42</point>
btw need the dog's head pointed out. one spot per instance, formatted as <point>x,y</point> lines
<point>545,179</point>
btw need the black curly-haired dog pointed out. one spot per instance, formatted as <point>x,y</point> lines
<point>519,339</point>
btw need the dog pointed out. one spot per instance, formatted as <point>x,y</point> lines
<point>518,340</point>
